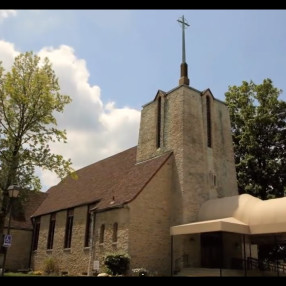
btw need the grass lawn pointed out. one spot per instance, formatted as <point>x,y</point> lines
<point>20,274</point>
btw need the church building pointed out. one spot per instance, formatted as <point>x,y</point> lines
<point>170,203</point>
<point>129,201</point>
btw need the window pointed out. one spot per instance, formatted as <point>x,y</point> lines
<point>51,231</point>
<point>37,224</point>
<point>101,236</point>
<point>214,180</point>
<point>68,234</point>
<point>87,227</point>
<point>159,123</point>
<point>209,130</point>
<point>115,229</point>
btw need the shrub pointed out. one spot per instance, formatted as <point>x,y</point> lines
<point>117,263</point>
<point>51,266</point>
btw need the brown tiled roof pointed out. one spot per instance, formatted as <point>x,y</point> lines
<point>32,202</point>
<point>117,178</point>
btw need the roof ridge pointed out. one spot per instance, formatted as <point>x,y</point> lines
<point>155,157</point>
<point>152,175</point>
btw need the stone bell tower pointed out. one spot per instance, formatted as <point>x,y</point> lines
<point>196,127</point>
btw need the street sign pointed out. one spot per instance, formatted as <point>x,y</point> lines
<point>7,240</point>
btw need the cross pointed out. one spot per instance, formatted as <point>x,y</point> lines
<point>185,24</point>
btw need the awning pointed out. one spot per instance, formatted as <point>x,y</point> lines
<point>229,224</point>
<point>243,214</point>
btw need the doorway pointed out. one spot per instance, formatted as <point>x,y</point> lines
<point>211,250</point>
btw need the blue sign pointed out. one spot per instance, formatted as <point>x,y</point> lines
<point>7,240</point>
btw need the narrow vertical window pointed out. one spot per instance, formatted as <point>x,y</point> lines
<point>101,236</point>
<point>87,227</point>
<point>209,129</point>
<point>51,231</point>
<point>159,123</point>
<point>68,234</point>
<point>115,229</point>
<point>36,232</point>
<point>214,180</point>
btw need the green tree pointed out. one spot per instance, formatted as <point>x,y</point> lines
<point>258,122</point>
<point>29,97</point>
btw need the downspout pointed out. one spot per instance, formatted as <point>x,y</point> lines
<point>32,243</point>
<point>221,254</point>
<point>92,244</point>
<point>276,255</point>
<point>244,256</point>
<point>172,242</point>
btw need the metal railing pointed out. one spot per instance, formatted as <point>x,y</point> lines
<point>254,263</point>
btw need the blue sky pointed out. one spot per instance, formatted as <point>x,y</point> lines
<point>122,57</point>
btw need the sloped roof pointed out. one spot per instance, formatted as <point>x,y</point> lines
<point>29,206</point>
<point>112,182</point>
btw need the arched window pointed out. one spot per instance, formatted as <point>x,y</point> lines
<point>69,224</point>
<point>115,229</point>
<point>159,123</point>
<point>101,236</point>
<point>36,232</point>
<point>209,128</point>
<point>51,231</point>
<point>88,227</point>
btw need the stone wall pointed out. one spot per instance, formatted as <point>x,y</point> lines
<point>108,218</point>
<point>149,227</point>
<point>148,132</point>
<point>75,260</point>
<point>201,172</point>
<point>223,153</point>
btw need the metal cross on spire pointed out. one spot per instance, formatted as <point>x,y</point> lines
<point>185,24</point>
<point>184,80</point>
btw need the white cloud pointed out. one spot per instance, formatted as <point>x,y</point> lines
<point>8,53</point>
<point>95,130</point>
<point>7,13</point>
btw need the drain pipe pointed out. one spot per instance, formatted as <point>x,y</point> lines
<point>92,242</point>
<point>172,242</point>
<point>244,256</point>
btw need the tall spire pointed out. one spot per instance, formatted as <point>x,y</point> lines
<point>184,67</point>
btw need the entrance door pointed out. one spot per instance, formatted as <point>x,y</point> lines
<point>211,250</point>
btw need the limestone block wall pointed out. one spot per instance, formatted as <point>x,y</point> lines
<point>74,260</point>
<point>194,156</point>
<point>184,134</point>
<point>223,153</point>
<point>149,225</point>
<point>108,218</point>
<point>220,156</point>
<point>18,255</point>
<point>202,172</point>
<point>148,133</point>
